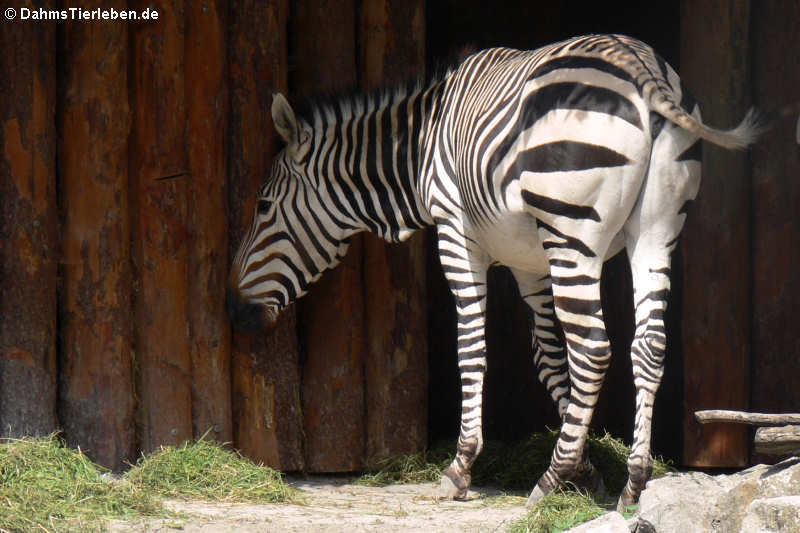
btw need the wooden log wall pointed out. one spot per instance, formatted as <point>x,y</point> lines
<point>164,134</point>
<point>716,306</point>
<point>775,226</point>
<point>96,395</point>
<point>28,226</point>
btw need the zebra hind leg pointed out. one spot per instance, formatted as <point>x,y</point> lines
<point>550,359</point>
<point>651,288</point>
<point>578,307</point>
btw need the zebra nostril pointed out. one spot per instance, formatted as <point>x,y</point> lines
<point>246,316</point>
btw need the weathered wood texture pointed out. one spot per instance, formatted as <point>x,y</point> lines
<point>207,104</point>
<point>775,252</point>
<point>266,375</point>
<point>159,174</point>
<point>782,440</point>
<point>716,305</point>
<point>95,378</point>
<point>742,417</point>
<point>28,226</point>
<point>331,315</point>
<point>395,313</point>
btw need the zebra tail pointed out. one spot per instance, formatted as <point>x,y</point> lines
<point>746,133</point>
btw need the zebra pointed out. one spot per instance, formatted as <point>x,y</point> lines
<point>547,161</point>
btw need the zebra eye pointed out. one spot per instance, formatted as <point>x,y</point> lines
<point>263,206</point>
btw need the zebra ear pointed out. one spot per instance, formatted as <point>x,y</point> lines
<point>289,128</point>
<point>285,122</point>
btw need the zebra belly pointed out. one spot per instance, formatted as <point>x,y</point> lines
<point>513,240</point>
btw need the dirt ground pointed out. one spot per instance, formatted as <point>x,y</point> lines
<point>333,505</point>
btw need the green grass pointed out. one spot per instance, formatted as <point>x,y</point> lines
<point>420,467</point>
<point>516,468</point>
<point>47,487</point>
<point>558,511</point>
<point>206,470</point>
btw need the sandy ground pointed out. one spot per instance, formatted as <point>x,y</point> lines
<point>333,505</point>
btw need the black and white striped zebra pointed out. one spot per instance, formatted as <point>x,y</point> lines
<point>548,161</point>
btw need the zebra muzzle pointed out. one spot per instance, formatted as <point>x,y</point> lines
<point>246,316</point>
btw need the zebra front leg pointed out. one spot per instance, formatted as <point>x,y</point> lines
<point>466,274</point>
<point>550,359</point>
<point>578,307</point>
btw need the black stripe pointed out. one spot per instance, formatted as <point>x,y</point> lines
<point>582,62</point>
<point>572,243</point>
<point>571,281</point>
<point>579,306</point>
<point>656,124</point>
<point>567,156</point>
<point>575,95</point>
<point>557,207</point>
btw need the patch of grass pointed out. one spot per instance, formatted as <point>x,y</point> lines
<point>512,467</point>
<point>45,486</point>
<point>558,511</point>
<point>423,467</point>
<point>206,470</point>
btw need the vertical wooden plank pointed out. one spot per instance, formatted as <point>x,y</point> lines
<point>332,322</point>
<point>776,223</point>
<point>267,420</point>
<point>716,311</point>
<point>159,175</point>
<point>96,387</point>
<point>207,104</point>
<point>392,48</point>
<point>28,226</point>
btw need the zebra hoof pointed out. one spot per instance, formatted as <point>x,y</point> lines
<point>453,486</point>
<point>628,502</point>
<point>536,495</point>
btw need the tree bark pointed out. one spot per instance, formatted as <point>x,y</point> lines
<point>716,309</point>
<point>159,176</point>
<point>28,226</point>
<point>206,143</point>
<point>96,387</point>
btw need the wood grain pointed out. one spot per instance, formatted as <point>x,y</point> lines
<point>96,396</point>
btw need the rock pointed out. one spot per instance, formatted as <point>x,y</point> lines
<point>608,523</point>
<point>698,503</point>
<point>773,515</point>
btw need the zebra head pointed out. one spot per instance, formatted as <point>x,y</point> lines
<point>297,232</point>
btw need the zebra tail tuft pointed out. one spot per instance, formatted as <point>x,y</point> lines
<point>752,126</point>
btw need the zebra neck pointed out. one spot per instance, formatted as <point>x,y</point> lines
<point>372,143</point>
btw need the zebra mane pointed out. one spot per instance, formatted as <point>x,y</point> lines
<point>358,102</point>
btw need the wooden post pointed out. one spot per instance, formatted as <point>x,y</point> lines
<point>392,47</point>
<point>267,420</point>
<point>159,176</point>
<point>28,226</point>
<point>96,387</point>
<point>775,254</point>
<point>206,142</point>
<point>332,321</point>
<point>716,243</point>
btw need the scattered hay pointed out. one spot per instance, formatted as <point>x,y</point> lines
<point>45,487</point>
<point>423,467</point>
<point>558,511</point>
<point>206,470</point>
